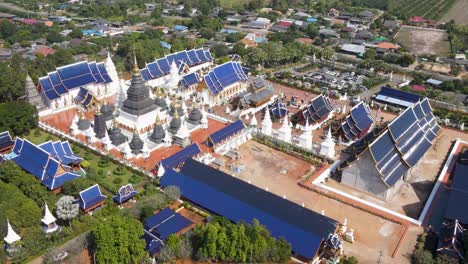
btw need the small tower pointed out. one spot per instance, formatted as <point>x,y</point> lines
<point>115,134</point>
<point>99,124</point>
<point>11,240</point>
<point>305,139</point>
<point>48,221</point>
<point>74,125</point>
<point>32,95</point>
<point>195,115</point>
<point>160,101</point>
<point>175,123</point>
<point>107,111</point>
<point>136,144</point>
<point>327,147</point>
<point>266,123</point>
<point>83,123</point>
<point>158,131</point>
<point>285,130</point>
<point>90,135</point>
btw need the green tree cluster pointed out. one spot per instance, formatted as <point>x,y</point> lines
<point>117,239</point>
<point>272,53</point>
<point>18,117</point>
<point>27,183</point>
<point>220,240</point>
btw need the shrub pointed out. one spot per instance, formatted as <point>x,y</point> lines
<point>117,181</point>
<point>85,164</point>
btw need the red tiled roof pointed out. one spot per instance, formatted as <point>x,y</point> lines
<point>418,88</point>
<point>417,19</point>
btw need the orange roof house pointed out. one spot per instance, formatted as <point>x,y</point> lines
<point>388,46</point>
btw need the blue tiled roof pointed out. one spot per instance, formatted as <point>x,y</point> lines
<point>239,201</point>
<point>124,194</point>
<point>35,161</point>
<point>226,132</point>
<point>72,76</point>
<point>181,156</point>
<point>161,66</point>
<point>407,138</point>
<point>397,97</point>
<point>53,183</point>
<point>190,79</point>
<point>90,197</point>
<point>224,75</point>
<point>317,109</point>
<point>278,109</point>
<point>18,145</point>
<point>358,120</point>
<point>6,140</point>
<point>161,225</point>
<point>84,97</point>
<point>458,198</point>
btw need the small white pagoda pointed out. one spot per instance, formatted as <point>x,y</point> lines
<point>327,147</point>
<point>48,221</point>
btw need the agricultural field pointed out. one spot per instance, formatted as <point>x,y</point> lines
<point>458,12</point>
<point>423,41</point>
<point>429,9</point>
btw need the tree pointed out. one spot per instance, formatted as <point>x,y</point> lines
<point>206,32</point>
<point>348,260</point>
<point>370,54</point>
<point>75,186</point>
<point>76,33</point>
<point>66,208</point>
<point>54,37</point>
<point>118,239</point>
<point>18,117</point>
<point>172,193</point>
<point>220,50</point>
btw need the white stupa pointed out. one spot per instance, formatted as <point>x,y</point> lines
<point>161,170</point>
<point>112,72</point>
<point>173,78</point>
<point>91,135</point>
<point>327,147</point>
<point>285,130</point>
<point>74,126</point>
<point>106,141</point>
<point>266,123</point>
<point>305,139</point>
<point>204,120</point>
<point>145,150</point>
<point>127,151</point>
<point>182,137</point>
<point>48,221</point>
<point>11,237</point>
<point>253,121</point>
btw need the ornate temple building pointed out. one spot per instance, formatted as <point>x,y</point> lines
<point>60,88</point>
<point>222,83</point>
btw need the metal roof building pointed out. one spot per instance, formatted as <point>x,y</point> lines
<point>397,97</point>
<point>238,201</point>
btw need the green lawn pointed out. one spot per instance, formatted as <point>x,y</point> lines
<point>108,177</point>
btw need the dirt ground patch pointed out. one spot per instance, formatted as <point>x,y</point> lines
<point>374,235</point>
<point>423,41</point>
<point>458,13</point>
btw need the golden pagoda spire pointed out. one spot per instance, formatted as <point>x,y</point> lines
<point>136,70</point>
<point>176,114</point>
<point>157,121</point>
<point>114,122</point>
<point>82,115</point>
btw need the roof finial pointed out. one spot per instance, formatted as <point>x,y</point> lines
<point>136,70</point>
<point>158,120</point>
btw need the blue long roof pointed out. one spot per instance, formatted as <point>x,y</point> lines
<point>397,97</point>
<point>278,109</point>
<point>226,132</point>
<point>161,67</point>
<point>317,109</point>
<point>190,79</point>
<point>239,201</point>
<point>458,198</point>
<point>72,76</point>
<point>181,156</point>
